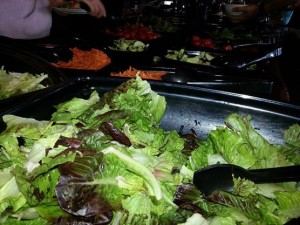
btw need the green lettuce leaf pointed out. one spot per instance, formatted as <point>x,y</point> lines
<point>292,135</point>
<point>72,109</point>
<point>289,203</point>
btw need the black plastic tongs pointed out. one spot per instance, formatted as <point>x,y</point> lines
<point>220,176</point>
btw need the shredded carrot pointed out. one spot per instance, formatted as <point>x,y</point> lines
<point>132,72</point>
<point>93,59</point>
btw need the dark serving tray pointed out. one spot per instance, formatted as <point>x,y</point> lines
<point>226,61</point>
<point>16,59</point>
<point>188,108</point>
<point>53,50</point>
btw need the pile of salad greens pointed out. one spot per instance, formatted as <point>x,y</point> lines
<point>203,58</point>
<point>13,83</point>
<point>128,45</point>
<point>106,160</point>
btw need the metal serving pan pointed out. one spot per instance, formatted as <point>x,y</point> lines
<point>188,108</point>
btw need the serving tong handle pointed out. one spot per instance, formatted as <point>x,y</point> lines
<point>243,64</point>
<point>271,40</point>
<point>254,44</point>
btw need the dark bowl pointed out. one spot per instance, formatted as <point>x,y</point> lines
<point>127,57</point>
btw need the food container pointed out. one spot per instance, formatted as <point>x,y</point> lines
<point>16,59</point>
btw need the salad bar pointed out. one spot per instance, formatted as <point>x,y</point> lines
<point>115,125</point>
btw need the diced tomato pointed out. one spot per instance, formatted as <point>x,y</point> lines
<point>227,47</point>
<point>135,31</point>
<point>195,38</point>
<point>197,43</point>
<point>141,37</point>
<point>107,31</point>
<point>127,36</point>
<point>207,42</point>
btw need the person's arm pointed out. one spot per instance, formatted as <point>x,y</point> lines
<point>97,8</point>
<point>271,6</point>
<point>248,12</point>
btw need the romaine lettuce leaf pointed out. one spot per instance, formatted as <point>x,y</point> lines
<point>292,135</point>
<point>69,110</point>
<point>289,203</point>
